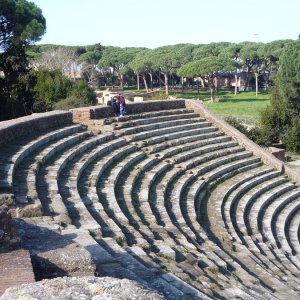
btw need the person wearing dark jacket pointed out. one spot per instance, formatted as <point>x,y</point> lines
<point>115,106</point>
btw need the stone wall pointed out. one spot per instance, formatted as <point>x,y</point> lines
<point>12,129</point>
<point>85,114</point>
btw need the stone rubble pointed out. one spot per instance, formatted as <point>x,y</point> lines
<point>83,288</point>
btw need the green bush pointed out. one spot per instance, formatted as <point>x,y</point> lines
<point>55,91</point>
<point>280,121</point>
<point>160,96</point>
<point>51,86</point>
<point>236,123</point>
<point>253,133</point>
<point>70,102</point>
<point>291,137</point>
<point>82,91</point>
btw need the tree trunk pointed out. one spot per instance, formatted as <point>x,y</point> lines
<point>151,80</point>
<point>202,82</point>
<point>113,78</point>
<point>268,79</point>
<point>182,84</point>
<point>256,84</point>
<point>122,77</point>
<point>216,83</point>
<point>166,83</point>
<point>212,89</point>
<point>236,84</point>
<point>159,79</point>
<point>145,82</point>
<point>138,81</point>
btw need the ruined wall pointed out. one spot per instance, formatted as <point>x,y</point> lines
<point>12,129</point>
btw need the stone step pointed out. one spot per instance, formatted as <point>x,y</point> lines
<point>180,142</point>
<point>172,150</point>
<point>15,154</point>
<point>258,208</point>
<point>240,210</point>
<point>164,131</point>
<point>281,223</point>
<point>47,184</point>
<point>145,121</point>
<point>26,174</point>
<point>272,210</point>
<point>144,115</point>
<point>235,196</point>
<point>294,233</point>
<point>172,287</point>
<point>189,134</point>
<point>157,126</point>
<point>91,197</point>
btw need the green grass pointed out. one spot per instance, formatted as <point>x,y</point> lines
<point>294,155</point>
<point>245,106</point>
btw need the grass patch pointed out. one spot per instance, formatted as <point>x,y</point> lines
<point>295,156</point>
<point>245,106</point>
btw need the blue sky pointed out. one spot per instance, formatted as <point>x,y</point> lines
<point>154,23</point>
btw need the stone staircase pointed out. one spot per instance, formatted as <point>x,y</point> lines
<point>165,198</point>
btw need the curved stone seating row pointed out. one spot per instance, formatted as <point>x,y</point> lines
<point>236,210</point>
<point>167,199</point>
<point>156,126</point>
<point>294,234</point>
<point>123,123</point>
<point>12,156</point>
<point>164,131</point>
<point>25,186</point>
<point>241,208</point>
<point>237,188</point>
<point>254,218</point>
<point>144,116</point>
<point>68,184</point>
<point>272,211</point>
<point>47,182</point>
<point>117,173</point>
<point>162,141</point>
<point>191,141</point>
<point>282,223</point>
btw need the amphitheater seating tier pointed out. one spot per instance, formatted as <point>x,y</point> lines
<point>164,198</point>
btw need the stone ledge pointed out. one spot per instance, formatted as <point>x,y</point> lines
<point>86,114</point>
<point>12,129</point>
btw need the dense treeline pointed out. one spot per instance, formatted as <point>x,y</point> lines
<point>167,65</point>
<point>37,78</point>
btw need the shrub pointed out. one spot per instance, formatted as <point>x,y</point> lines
<point>160,96</point>
<point>291,137</point>
<point>254,133</point>
<point>82,91</point>
<point>236,123</point>
<point>51,86</point>
<point>68,103</point>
